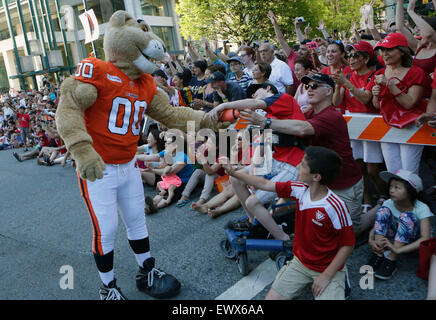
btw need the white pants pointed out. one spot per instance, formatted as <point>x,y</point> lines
<point>369,151</point>
<point>402,156</point>
<point>121,187</point>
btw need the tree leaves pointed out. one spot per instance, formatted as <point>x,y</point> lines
<point>247,20</point>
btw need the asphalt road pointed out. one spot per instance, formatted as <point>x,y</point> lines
<point>44,226</point>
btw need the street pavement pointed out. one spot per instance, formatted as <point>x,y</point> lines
<point>45,230</point>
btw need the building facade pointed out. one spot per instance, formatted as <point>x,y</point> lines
<point>48,35</point>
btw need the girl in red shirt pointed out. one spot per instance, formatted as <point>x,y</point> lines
<point>398,93</point>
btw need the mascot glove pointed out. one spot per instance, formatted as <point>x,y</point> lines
<point>89,163</point>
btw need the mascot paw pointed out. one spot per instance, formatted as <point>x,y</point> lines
<point>215,126</point>
<point>89,163</point>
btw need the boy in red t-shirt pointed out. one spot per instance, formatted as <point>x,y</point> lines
<point>23,121</point>
<point>324,236</point>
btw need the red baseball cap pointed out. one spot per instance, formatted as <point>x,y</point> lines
<point>393,40</point>
<point>362,46</point>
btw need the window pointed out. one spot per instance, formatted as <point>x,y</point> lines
<point>154,8</point>
<point>167,36</point>
<point>103,9</point>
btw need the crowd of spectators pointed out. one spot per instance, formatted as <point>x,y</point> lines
<point>301,91</point>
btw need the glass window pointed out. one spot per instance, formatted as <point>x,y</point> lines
<point>154,8</point>
<point>103,9</point>
<point>167,36</point>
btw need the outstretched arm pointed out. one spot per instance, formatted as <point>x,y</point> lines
<point>401,28</point>
<point>177,118</point>
<point>424,28</point>
<point>286,49</point>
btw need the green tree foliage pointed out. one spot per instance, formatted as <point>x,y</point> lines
<point>247,20</point>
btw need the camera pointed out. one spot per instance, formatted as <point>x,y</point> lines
<point>312,45</point>
<point>300,19</point>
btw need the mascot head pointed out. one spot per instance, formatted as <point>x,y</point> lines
<point>130,43</point>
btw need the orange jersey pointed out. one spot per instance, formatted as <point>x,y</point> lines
<point>114,120</point>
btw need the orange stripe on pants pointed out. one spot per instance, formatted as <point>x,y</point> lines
<point>96,239</point>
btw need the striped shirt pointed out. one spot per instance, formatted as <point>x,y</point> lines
<point>322,227</point>
<point>245,80</point>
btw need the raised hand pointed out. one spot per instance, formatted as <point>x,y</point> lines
<point>321,25</point>
<point>272,17</point>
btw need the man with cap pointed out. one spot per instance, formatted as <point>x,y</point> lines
<point>225,91</point>
<point>275,105</point>
<point>325,127</point>
<point>239,76</point>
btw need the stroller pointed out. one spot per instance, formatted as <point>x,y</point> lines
<point>237,243</point>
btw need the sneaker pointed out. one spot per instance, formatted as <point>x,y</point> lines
<point>386,269</point>
<point>155,282</point>
<point>111,292</point>
<point>17,156</point>
<point>375,261</point>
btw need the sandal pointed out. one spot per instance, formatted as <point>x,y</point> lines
<point>182,203</point>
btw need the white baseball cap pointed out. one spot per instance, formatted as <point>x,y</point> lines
<point>414,180</point>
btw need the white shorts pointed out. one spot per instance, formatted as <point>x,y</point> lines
<point>369,151</point>
<point>121,187</point>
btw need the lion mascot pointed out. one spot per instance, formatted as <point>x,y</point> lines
<point>99,118</point>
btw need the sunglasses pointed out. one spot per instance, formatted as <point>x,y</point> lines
<point>354,55</point>
<point>314,86</point>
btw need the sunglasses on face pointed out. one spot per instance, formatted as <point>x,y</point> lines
<point>313,86</point>
<point>354,55</point>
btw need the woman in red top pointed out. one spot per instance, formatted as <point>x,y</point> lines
<point>350,91</point>
<point>398,93</point>
<point>336,64</point>
<point>336,59</point>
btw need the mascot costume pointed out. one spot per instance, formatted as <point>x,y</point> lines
<point>99,118</point>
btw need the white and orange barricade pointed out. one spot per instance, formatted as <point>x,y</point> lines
<point>372,127</point>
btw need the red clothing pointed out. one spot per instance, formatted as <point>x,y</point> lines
<point>433,85</point>
<point>331,131</point>
<point>321,227</point>
<point>23,120</point>
<point>283,106</point>
<point>427,65</point>
<point>346,70</point>
<point>293,56</point>
<point>360,82</point>
<point>114,120</point>
<point>415,76</point>
<point>43,140</point>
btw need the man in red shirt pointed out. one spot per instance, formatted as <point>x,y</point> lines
<point>326,127</point>
<point>324,237</point>
<point>23,121</point>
